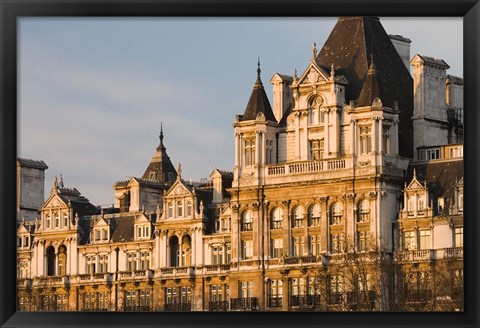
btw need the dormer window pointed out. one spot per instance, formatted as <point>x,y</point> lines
<point>421,205</point>
<point>65,219</point>
<point>101,235</point>
<point>57,219</point>
<point>143,232</point>
<point>410,205</point>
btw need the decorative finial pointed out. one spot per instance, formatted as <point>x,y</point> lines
<point>314,51</point>
<point>23,219</point>
<point>161,133</point>
<point>332,71</point>
<point>76,218</point>
<point>179,170</point>
<point>201,207</point>
<point>258,68</point>
<point>61,181</point>
<point>55,182</point>
<point>295,78</point>
<point>414,173</point>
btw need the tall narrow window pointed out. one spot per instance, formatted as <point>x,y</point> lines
<point>336,243</point>
<point>277,248</point>
<point>314,215</point>
<point>336,213</point>
<point>314,245</point>
<point>276,219</point>
<point>297,219</point>
<point>460,202</point>
<point>363,211</point>
<point>249,152</point>
<point>144,260</point>
<point>247,221</point>
<point>47,221</point>
<point>246,289</point>
<point>362,240</point>
<point>275,293</point>
<point>91,261</point>
<point>425,241</point>
<point>65,219</point>
<point>409,242</point>
<point>179,208</point>
<point>421,205</point>
<point>298,245</point>
<point>247,249</point>
<point>103,263</point>
<point>57,219</point>
<point>458,237</point>
<point>365,140</point>
<point>170,209</point>
<point>189,208</point>
<point>386,139</point>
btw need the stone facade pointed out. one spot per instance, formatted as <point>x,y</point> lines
<point>322,211</point>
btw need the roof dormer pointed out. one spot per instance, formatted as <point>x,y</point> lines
<point>101,231</point>
<point>143,227</point>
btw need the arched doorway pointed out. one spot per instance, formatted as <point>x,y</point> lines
<point>62,261</point>
<point>174,251</point>
<point>50,261</point>
<point>186,250</point>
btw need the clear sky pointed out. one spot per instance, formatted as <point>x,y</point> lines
<point>92,92</point>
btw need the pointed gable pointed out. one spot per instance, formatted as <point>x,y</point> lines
<point>160,168</point>
<point>349,47</point>
<point>313,74</point>
<point>371,88</point>
<point>179,188</point>
<point>258,103</point>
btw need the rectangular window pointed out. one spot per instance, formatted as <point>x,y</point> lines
<point>425,241</point>
<point>104,234</point>
<point>275,293</point>
<point>228,258</point>
<point>365,140</point>
<point>247,246</point>
<point>460,202</point>
<point>298,287</point>
<point>362,237</point>
<point>91,263</point>
<point>249,152</point>
<point>171,295</point>
<point>102,263</point>
<point>170,209</point>
<point>316,149</point>
<point>216,293</point>
<point>130,300</point>
<point>314,245</point>
<point>144,260</point>
<point>246,289</point>
<point>409,242</point>
<point>145,300</point>
<point>459,237</point>
<point>336,285</point>
<point>131,261</point>
<point>97,235</point>
<point>386,139</point>
<point>336,243</point>
<point>277,248</point>
<point>103,301</point>
<point>19,242</point>
<point>298,246</point>
<point>217,255</point>
<point>61,302</point>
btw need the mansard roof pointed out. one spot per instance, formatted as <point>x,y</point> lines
<point>160,167</point>
<point>349,48</point>
<point>258,103</point>
<point>72,197</point>
<point>454,79</point>
<point>26,162</point>
<point>431,61</point>
<point>441,177</point>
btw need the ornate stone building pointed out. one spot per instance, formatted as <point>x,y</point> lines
<point>326,208</point>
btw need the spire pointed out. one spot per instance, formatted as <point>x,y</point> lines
<point>160,146</point>
<point>414,173</point>
<point>371,88</point>
<point>179,170</point>
<point>61,181</point>
<point>314,52</point>
<point>258,102</point>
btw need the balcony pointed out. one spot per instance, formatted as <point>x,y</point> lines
<point>52,281</point>
<point>244,304</point>
<point>415,255</point>
<point>216,268</point>
<point>274,302</point>
<point>314,222</point>
<point>455,252</point>
<point>135,274</point>
<point>306,167</point>
<point>361,297</point>
<point>304,301</point>
<point>247,226</point>
<point>218,306</point>
<point>178,307</point>
<point>297,223</point>
<point>335,298</point>
<point>276,225</point>
<point>298,260</point>
<point>177,272</point>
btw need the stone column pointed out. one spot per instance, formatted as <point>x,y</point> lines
<point>380,134</point>
<point>374,136</point>
<point>297,135</point>
<point>352,136</point>
<point>327,132</point>
<point>237,149</point>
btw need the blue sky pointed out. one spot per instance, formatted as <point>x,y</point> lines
<point>92,92</point>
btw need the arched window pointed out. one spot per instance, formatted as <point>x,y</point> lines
<point>247,221</point>
<point>50,261</point>
<point>174,251</point>
<point>186,251</point>
<point>276,218</point>
<point>363,214</point>
<point>336,213</point>
<point>297,217</point>
<point>314,215</point>
<point>62,260</point>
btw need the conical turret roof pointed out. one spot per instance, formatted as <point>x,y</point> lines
<point>258,102</point>
<point>160,167</point>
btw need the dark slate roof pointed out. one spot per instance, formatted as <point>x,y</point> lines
<point>434,61</point>
<point>225,174</point>
<point>122,228</point>
<point>79,203</point>
<point>441,177</point>
<point>349,48</point>
<point>455,79</point>
<point>161,165</point>
<point>32,163</point>
<point>399,37</point>
<point>258,103</point>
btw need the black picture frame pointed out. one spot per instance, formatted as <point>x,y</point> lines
<point>11,10</point>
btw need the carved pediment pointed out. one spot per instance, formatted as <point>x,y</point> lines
<point>54,201</point>
<point>312,75</point>
<point>178,189</point>
<point>415,184</point>
<point>142,218</point>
